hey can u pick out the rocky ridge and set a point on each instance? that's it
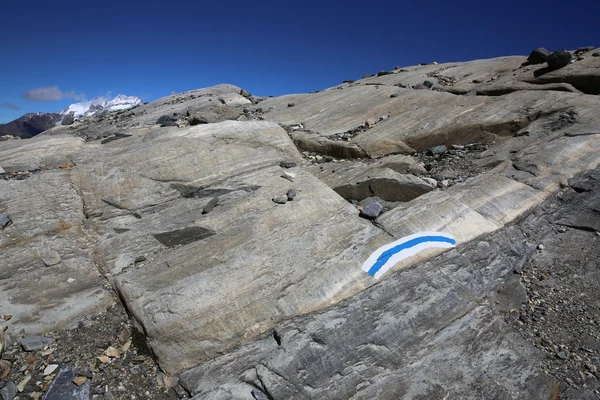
(230, 227)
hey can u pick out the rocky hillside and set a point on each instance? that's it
(234, 230)
(30, 124)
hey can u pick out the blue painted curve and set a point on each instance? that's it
(386, 255)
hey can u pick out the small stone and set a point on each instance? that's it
(124, 335)
(288, 164)
(33, 343)
(83, 372)
(562, 355)
(592, 368)
(4, 220)
(429, 84)
(435, 150)
(50, 369)
(540, 247)
(291, 194)
(288, 176)
(258, 395)
(70, 280)
(126, 346)
(80, 380)
(167, 381)
(280, 199)
(112, 352)
(23, 383)
(291, 104)
(393, 95)
(65, 166)
(103, 359)
(210, 205)
(139, 259)
(5, 368)
(9, 391)
(371, 208)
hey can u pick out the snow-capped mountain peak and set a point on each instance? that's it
(100, 105)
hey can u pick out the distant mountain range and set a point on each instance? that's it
(32, 124)
(101, 106)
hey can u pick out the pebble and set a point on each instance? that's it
(288, 176)
(540, 247)
(4, 220)
(280, 199)
(33, 343)
(50, 369)
(291, 194)
(80, 380)
(288, 164)
(9, 391)
(5, 367)
(23, 383)
(112, 352)
(258, 395)
(371, 208)
(437, 150)
(210, 205)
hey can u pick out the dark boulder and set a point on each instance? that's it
(429, 84)
(538, 56)
(559, 59)
(166, 120)
(68, 119)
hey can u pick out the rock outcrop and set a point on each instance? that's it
(234, 228)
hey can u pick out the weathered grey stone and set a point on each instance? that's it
(9, 391)
(355, 180)
(259, 395)
(370, 208)
(322, 145)
(280, 199)
(288, 164)
(210, 205)
(435, 150)
(33, 343)
(63, 388)
(214, 114)
(4, 220)
(166, 120)
(183, 236)
(68, 119)
(291, 194)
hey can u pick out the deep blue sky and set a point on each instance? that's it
(92, 48)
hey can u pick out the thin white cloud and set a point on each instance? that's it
(51, 93)
(10, 105)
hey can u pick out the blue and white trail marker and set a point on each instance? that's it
(387, 256)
